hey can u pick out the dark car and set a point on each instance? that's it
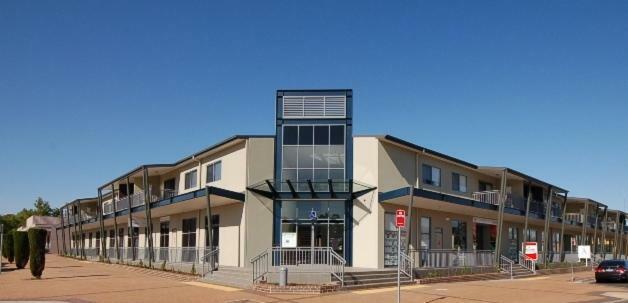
(612, 270)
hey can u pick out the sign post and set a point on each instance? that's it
(584, 252)
(400, 222)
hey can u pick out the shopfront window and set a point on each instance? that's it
(459, 234)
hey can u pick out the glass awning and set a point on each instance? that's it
(326, 189)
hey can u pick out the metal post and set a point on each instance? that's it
(585, 222)
(604, 230)
(115, 221)
(597, 214)
(562, 230)
(80, 223)
(525, 226)
(546, 235)
(208, 230)
(500, 216)
(76, 232)
(103, 237)
(410, 220)
(398, 264)
(130, 232)
(149, 219)
(63, 232)
(615, 246)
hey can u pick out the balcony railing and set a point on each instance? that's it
(438, 258)
(489, 196)
(574, 217)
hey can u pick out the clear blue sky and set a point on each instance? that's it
(91, 89)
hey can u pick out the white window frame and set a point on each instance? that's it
(194, 180)
(210, 172)
(461, 188)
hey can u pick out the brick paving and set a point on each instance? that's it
(69, 280)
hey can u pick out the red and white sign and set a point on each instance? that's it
(400, 218)
(530, 250)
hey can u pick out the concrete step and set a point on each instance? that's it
(375, 285)
(374, 281)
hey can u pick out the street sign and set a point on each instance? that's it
(530, 250)
(400, 218)
(584, 252)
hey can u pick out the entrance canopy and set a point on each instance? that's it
(330, 189)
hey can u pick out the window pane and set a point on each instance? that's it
(321, 135)
(455, 181)
(306, 157)
(321, 174)
(289, 174)
(436, 176)
(337, 174)
(289, 157)
(289, 210)
(290, 135)
(320, 156)
(463, 184)
(336, 210)
(336, 156)
(306, 207)
(306, 135)
(337, 135)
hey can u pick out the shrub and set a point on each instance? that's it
(7, 247)
(37, 249)
(20, 245)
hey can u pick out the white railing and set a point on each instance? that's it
(406, 265)
(527, 263)
(574, 217)
(505, 265)
(489, 196)
(137, 199)
(107, 208)
(315, 258)
(210, 262)
(440, 258)
(122, 204)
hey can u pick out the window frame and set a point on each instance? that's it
(211, 172)
(430, 181)
(456, 179)
(193, 181)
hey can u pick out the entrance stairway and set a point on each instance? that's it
(373, 279)
(518, 271)
(230, 276)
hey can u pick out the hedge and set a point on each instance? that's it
(20, 242)
(37, 247)
(7, 247)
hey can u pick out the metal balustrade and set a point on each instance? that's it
(574, 217)
(210, 262)
(527, 263)
(314, 258)
(406, 265)
(505, 265)
(489, 196)
(440, 258)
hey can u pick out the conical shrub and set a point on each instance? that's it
(37, 248)
(7, 247)
(20, 245)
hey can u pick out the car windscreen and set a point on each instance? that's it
(612, 263)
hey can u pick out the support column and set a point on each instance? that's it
(528, 201)
(604, 230)
(597, 215)
(546, 230)
(561, 239)
(410, 205)
(115, 221)
(80, 223)
(77, 244)
(63, 232)
(103, 237)
(500, 216)
(584, 223)
(616, 237)
(130, 230)
(149, 219)
(208, 212)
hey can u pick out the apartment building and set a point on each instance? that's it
(313, 194)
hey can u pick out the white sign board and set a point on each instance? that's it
(584, 252)
(288, 239)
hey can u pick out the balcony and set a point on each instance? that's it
(489, 196)
(574, 218)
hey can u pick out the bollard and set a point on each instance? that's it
(283, 276)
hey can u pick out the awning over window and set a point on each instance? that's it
(330, 189)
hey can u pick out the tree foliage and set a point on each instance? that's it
(41, 207)
(21, 249)
(7, 247)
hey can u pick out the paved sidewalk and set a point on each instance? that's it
(69, 280)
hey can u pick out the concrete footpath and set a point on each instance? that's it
(68, 280)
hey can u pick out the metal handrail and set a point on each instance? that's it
(406, 265)
(527, 263)
(260, 266)
(505, 265)
(337, 266)
(210, 262)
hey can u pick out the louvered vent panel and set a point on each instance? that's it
(335, 106)
(314, 106)
(292, 107)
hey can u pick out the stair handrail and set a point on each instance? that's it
(406, 265)
(260, 266)
(212, 264)
(505, 265)
(527, 263)
(337, 266)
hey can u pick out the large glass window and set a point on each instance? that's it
(188, 232)
(431, 175)
(425, 232)
(459, 234)
(313, 152)
(190, 179)
(164, 234)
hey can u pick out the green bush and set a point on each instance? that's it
(20, 246)
(37, 248)
(7, 247)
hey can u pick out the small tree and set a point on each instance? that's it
(7, 247)
(20, 245)
(37, 248)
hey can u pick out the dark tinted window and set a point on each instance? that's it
(321, 135)
(337, 135)
(612, 263)
(306, 135)
(290, 135)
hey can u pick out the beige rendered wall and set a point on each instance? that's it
(368, 215)
(258, 218)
